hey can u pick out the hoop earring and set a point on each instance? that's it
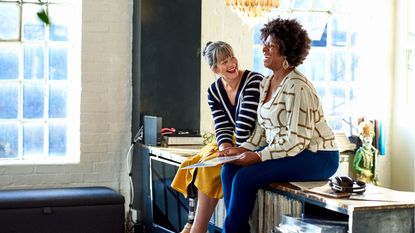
(285, 64)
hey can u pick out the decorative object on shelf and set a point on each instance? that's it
(365, 157)
(251, 10)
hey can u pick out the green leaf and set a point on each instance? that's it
(43, 16)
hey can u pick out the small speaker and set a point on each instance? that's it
(152, 130)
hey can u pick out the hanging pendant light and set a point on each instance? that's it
(251, 10)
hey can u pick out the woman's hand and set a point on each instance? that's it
(248, 158)
(232, 151)
(225, 145)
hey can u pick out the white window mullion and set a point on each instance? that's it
(348, 74)
(327, 80)
(19, 119)
(46, 94)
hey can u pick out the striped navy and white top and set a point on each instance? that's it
(238, 119)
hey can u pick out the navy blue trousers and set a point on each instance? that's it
(241, 183)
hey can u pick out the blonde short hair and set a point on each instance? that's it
(215, 52)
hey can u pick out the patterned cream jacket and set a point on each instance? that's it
(291, 121)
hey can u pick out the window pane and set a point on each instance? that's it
(57, 139)
(9, 21)
(336, 123)
(322, 5)
(339, 101)
(257, 34)
(354, 66)
(32, 140)
(33, 100)
(59, 15)
(258, 59)
(33, 28)
(322, 42)
(301, 4)
(57, 63)
(58, 93)
(338, 66)
(321, 91)
(339, 30)
(352, 95)
(313, 22)
(342, 5)
(9, 101)
(33, 61)
(8, 140)
(315, 64)
(9, 62)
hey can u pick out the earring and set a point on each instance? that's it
(285, 64)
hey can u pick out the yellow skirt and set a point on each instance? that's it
(207, 179)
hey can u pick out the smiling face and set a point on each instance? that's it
(273, 60)
(227, 67)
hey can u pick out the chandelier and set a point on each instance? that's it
(251, 10)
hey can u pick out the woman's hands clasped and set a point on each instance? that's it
(248, 157)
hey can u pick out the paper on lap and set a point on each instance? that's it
(214, 162)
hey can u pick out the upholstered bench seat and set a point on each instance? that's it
(63, 210)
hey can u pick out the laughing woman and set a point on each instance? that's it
(292, 140)
(233, 100)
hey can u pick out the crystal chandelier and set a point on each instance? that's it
(251, 10)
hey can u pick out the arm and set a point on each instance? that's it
(257, 139)
(300, 108)
(223, 125)
(247, 108)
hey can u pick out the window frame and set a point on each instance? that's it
(71, 83)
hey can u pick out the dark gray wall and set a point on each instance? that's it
(166, 77)
(170, 61)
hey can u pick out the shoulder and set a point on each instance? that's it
(253, 75)
(251, 80)
(265, 80)
(214, 86)
(297, 80)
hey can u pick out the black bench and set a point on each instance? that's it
(63, 210)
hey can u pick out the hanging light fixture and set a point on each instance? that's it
(251, 10)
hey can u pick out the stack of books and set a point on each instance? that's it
(183, 138)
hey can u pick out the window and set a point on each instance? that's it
(39, 82)
(334, 62)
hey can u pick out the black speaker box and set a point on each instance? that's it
(152, 130)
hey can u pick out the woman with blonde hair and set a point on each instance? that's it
(233, 100)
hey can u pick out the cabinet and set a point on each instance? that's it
(387, 210)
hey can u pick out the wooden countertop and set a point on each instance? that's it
(374, 198)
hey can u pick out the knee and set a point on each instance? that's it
(244, 182)
(227, 172)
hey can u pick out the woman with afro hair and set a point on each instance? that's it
(292, 140)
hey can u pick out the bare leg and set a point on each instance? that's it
(205, 208)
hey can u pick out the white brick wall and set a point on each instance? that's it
(105, 106)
